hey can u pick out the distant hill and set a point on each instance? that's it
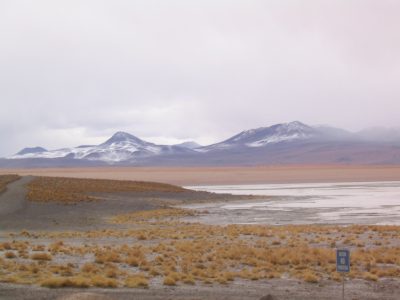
(33, 150)
(287, 143)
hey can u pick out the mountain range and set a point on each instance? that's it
(287, 143)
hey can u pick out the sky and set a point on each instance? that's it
(74, 72)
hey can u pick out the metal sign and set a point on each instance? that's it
(343, 260)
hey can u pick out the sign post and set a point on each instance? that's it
(343, 264)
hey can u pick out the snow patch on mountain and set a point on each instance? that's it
(278, 139)
(283, 133)
(120, 147)
(266, 136)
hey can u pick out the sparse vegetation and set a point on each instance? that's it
(183, 253)
(73, 190)
(103, 282)
(154, 215)
(58, 282)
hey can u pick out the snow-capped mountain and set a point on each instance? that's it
(264, 136)
(31, 150)
(121, 146)
(287, 143)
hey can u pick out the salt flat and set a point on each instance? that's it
(308, 203)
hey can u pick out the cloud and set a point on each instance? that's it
(74, 72)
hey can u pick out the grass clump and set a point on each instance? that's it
(60, 282)
(90, 268)
(10, 255)
(137, 281)
(107, 256)
(189, 279)
(369, 276)
(42, 256)
(169, 280)
(104, 282)
(310, 277)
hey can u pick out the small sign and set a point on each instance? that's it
(343, 260)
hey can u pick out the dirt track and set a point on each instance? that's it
(13, 199)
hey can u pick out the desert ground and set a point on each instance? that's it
(227, 175)
(72, 238)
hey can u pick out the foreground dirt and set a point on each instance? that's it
(228, 175)
(247, 290)
(131, 239)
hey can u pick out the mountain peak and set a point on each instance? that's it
(291, 127)
(31, 150)
(263, 136)
(296, 125)
(189, 145)
(121, 136)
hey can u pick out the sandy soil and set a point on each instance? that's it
(228, 175)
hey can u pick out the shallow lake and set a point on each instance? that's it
(320, 203)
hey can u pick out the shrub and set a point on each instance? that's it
(104, 282)
(41, 256)
(370, 276)
(89, 268)
(137, 281)
(10, 255)
(132, 261)
(169, 281)
(188, 279)
(5, 246)
(310, 277)
(107, 256)
(58, 282)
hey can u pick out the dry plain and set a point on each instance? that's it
(102, 239)
(228, 175)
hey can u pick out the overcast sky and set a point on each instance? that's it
(74, 72)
